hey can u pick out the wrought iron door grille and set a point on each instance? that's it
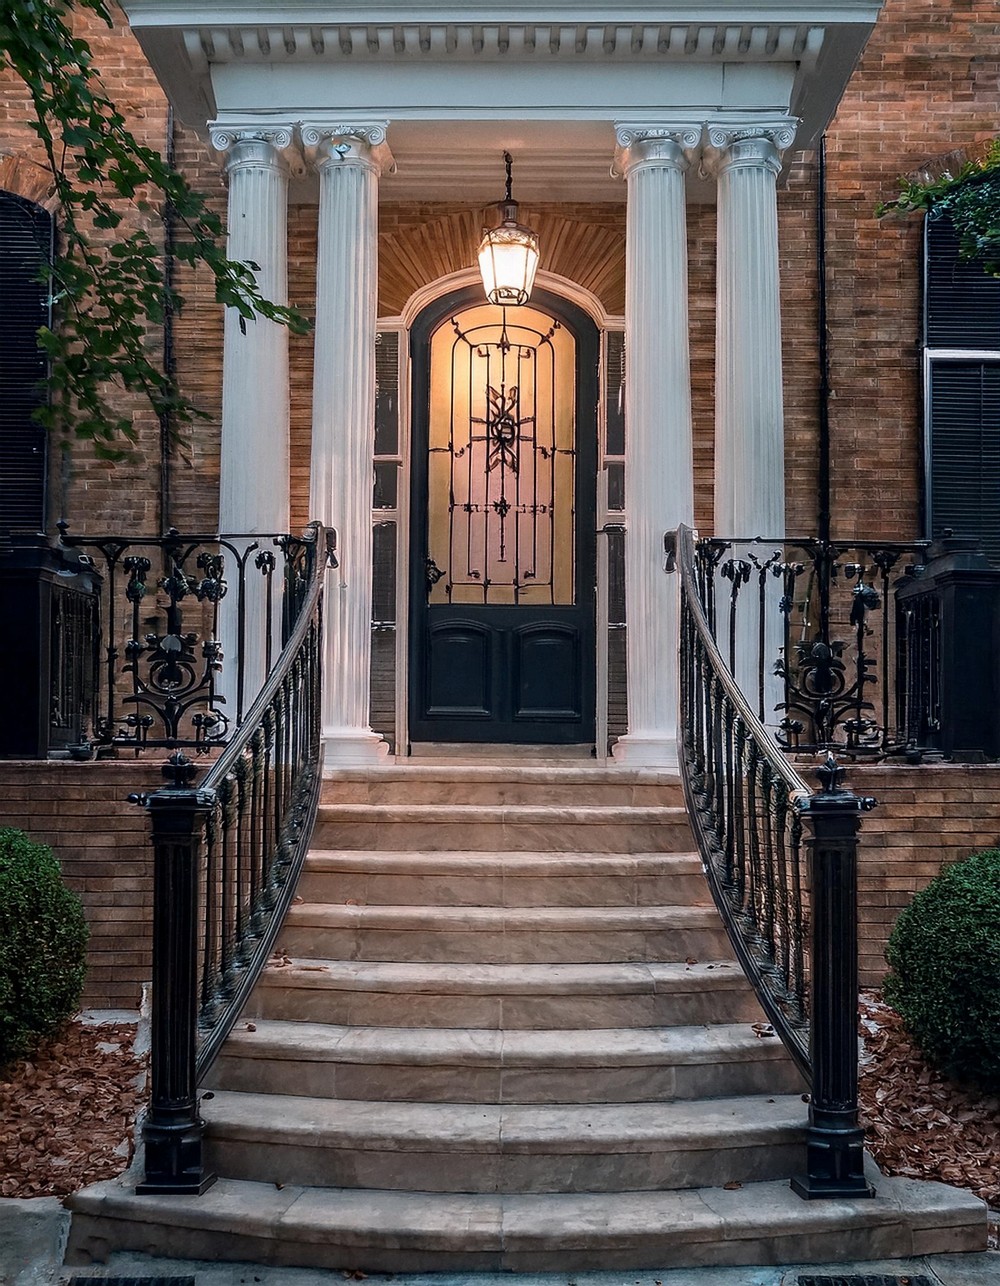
(501, 508)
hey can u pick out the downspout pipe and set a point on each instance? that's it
(169, 353)
(823, 346)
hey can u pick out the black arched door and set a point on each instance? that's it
(502, 522)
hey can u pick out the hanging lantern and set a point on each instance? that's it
(508, 254)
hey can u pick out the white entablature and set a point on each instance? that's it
(551, 79)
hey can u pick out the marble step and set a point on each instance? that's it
(403, 993)
(503, 828)
(572, 783)
(419, 1232)
(470, 878)
(503, 935)
(450, 1065)
(452, 1147)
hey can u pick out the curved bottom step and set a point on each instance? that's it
(761, 1223)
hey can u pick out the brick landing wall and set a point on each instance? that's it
(81, 811)
(927, 817)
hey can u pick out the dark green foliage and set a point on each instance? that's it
(43, 943)
(970, 198)
(945, 955)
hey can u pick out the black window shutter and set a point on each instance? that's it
(25, 247)
(964, 404)
(961, 301)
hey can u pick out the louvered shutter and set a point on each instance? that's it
(25, 244)
(964, 406)
(962, 393)
(961, 302)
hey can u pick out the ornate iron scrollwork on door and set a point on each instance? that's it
(501, 503)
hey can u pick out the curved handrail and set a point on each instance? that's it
(265, 787)
(743, 798)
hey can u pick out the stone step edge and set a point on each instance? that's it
(519, 864)
(556, 774)
(513, 1047)
(512, 814)
(477, 919)
(251, 1216)
(499, 1129)
(447, 978)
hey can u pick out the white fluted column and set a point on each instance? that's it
(253, 466)
(659, 487)
(253, 483)
(749, 410)
(349, 159)
(749, 421)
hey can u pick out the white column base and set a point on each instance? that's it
(352, 748)
(638, 750)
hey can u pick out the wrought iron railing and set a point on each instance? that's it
(781, 864)
(809, 628)
(189, 627)
(227, 856)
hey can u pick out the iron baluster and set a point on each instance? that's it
(225, 794)
(257, 836)
(798, 988)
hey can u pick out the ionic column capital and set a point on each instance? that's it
(749, 146)
(252, 146)
(671, 145)
(355, 143)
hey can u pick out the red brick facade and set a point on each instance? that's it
(81, 812)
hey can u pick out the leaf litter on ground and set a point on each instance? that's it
(918, 1123)
(67, 1112)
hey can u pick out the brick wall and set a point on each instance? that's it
(926, 85)
(81, 812)
(927, 817)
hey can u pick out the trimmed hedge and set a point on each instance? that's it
(43, 943)
(944, 952)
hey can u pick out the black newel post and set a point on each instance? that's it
(834, 1141)
(172, 1131)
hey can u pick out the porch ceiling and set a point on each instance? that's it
(459, 82)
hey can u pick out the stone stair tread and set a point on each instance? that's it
(571, 1128)
(573, 919)
(515, 863)
(504, 979)
(489, 1047)
(543, 774)
(387, 1230)
(552, 814)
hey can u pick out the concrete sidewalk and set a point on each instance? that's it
(940, 1270)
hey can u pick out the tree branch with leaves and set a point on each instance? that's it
(107, 279)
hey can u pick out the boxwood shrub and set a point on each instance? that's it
(944, 952)
(43, 943)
